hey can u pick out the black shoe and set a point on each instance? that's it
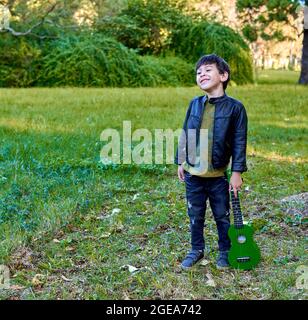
(222, 261)
(192, 258)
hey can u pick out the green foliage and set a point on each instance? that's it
(145, 25)
(202, 38)
(18, 57)
(170, 71)
(257, 21)
(90, 60)
(118, 50)
(95, 60)
(86, 60)
(250, 33)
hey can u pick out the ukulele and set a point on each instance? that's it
(244, 253)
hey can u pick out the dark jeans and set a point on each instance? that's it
(198, 190)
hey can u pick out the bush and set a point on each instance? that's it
(197, 39)
(100, 61)
(145, 25)
(18, 62)
(93, 59)
(107, 53)
(166, 71)
(89, 60)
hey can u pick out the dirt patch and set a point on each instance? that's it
(22, 258)
(296, 204)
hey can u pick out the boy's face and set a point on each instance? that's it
(208, 77)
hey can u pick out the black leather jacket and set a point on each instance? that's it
(229, 132)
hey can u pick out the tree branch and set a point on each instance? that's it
(29, 31)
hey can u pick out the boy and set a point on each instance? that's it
(215, 129)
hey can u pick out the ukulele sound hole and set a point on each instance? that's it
(241, 239)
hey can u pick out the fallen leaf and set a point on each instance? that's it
(17, 287)
(118, 228)
(70, 249)
(126, 296)
(56, 241)
(135, 196)
(130, 268)
(204, 262)
(147, 268)
(66, 279)
(210, 282)
(133, 269)
(115, 211)
(36, 281)
(105, 235)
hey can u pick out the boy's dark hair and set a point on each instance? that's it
(221, 64)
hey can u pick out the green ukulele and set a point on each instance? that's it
(244, 253)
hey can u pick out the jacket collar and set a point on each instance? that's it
(215, 100)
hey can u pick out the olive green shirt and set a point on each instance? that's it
(204, 167)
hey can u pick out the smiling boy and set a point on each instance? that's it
(215, 130)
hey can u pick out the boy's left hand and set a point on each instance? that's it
(235, 182)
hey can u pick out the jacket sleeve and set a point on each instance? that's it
(181, 149)
(239, 140)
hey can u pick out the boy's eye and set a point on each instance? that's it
(206, 70)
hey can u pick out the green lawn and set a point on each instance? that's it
(276, 76)
(62, 238)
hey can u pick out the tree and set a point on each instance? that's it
(304, 71)
(43, 19)
(145, 25)
(265, 19)
(8, 12)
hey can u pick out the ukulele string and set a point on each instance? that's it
(238, 221)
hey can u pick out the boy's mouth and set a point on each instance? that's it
(204, 81)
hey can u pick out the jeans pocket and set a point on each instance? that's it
(220, 184)
(225, 179)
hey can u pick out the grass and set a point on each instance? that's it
(62, 238)
(270, 76)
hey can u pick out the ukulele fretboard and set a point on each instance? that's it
(238, 218)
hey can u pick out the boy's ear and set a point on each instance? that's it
(224, 76)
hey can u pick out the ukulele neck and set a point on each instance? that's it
(238, 218)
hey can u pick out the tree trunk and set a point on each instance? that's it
(304, 70)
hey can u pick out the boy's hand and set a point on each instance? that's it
(181, 173)
(235, 182)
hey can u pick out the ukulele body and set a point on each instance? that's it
(244, 253)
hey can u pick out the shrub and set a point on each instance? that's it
(145, 25)
(18, 62)
(100, 61)
(89, 60)
(166, 71)
(197, 39)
